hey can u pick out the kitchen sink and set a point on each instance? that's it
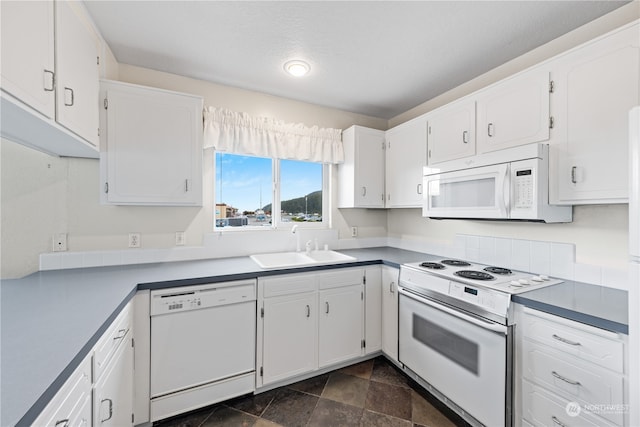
(299, 259)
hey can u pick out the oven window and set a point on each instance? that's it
(477, 193)
(452, 346)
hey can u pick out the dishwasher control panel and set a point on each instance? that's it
(187, 298)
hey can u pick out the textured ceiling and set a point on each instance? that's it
(376, 58)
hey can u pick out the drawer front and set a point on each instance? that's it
(116, 334)
(289, 284)
(574, 379)
(587, 343)
(544, 409)
(69, 404)
(340, 278)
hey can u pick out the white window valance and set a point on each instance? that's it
(226, 130)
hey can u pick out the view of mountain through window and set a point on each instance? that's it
(244, 190)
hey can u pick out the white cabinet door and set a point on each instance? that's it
(77, 71)
(27, 65)
(113, 392)
(514, 111)
(372, 310)
(452, 132)
(406, 155)
(289, 336)
(390, 312)
(340, 325)
(152, 147)
(361, 176)
(596, 86)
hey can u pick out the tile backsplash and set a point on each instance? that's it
(540, 257)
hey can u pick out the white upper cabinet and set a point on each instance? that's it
(361, 176)
(50, 55)
(138, 122)
(452, 132)
(77, 71)
(596, 86)
(514, 112)
(28, 53)
(406, 155)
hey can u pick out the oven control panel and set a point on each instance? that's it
(495, 302)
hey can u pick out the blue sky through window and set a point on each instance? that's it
(245, 182)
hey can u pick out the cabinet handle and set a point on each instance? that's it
(419, 189)
(465, 137)
(564, 340)
(573, 174)
(110, 409)
(327, 304)
(490, 129)
(121, 334)
(308, 311)
(50, 81)
(186, 185)
(557, 421)
(364, 191)
(391, 287)
(64, 423)
(70, 91)
(565, 379)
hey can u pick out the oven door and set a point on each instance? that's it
(463, 357)
(481, 192)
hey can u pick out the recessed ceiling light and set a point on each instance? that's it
(297, 68)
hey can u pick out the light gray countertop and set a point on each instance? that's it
(50, 320)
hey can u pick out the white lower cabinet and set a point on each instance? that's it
(308, 321)
(289, 336)
(389, 292)
(71, 406)
(572, 374)
(113, 392)
(373, 309)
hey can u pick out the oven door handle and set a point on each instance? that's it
(491, 326)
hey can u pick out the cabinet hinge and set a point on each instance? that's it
(362, 296)
(262, 312)
(105, 103)
(429, 130)
(363, 343)
(133, 344)
(551, 86)
(261, 371)
(97, 60)
(551, 122)
(384, 145)
(133, 418)
(364, 279)
(106, 187)
(98, 131)
(429, 154)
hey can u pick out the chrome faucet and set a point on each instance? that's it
(294, 230)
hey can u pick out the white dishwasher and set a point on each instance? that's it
(203, 342)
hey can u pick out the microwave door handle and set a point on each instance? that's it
(506, 192)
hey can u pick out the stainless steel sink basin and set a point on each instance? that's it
(299, 259)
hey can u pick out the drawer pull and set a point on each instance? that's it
(564, 340)
(566, 380)
(63, 423)
(557, 421)
(121, 334)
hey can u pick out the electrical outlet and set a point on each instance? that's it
(180, 238)
(60, 242)
(134, 240)
(354, 231)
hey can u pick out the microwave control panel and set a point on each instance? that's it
(524, 188)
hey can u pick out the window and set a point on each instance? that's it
(255, 192)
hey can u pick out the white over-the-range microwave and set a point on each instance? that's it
(510, 184)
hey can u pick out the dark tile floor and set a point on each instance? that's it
(371, 393)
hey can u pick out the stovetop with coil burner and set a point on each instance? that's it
(493, 277)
